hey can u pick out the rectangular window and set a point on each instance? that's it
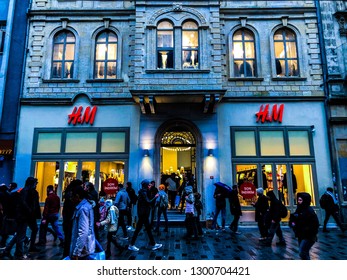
(298, 143)
(81, 142)
(245, 143)
(48, 142)
(113, 142)
(47, 173)
(271, 143)
(342, 155)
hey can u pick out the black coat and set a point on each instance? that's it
(261, 207)
(235, 206)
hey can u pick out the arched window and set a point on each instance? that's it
(190, 45)
(63, 55)
(243, 51)
(165, 45)
(286, 55)
(106, 56)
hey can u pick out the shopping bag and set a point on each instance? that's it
(98, 255)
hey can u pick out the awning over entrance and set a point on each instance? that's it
(6, 147)
(150, 101)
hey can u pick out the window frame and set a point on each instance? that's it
(244, 59)
(106, 60)
(191, 49)
(286, 59)
(63, 60)
(163, 49)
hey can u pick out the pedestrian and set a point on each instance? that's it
(330, 204)
(152, 191)
(111, 221)
(122, 201)
(191, 214)
(69, 206)
(4, 199)
(182, 193)
(220, 198)
(50, 216)
(143, 210)
(172, 190)
(305, 224)
(93, 198)
(20, 211)
(82, 237)
(32, 199)
(273, 220)
(198, 210)
(261, 210)
(162, 202)
(235, 209)
(133, 200)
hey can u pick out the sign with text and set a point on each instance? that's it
(79, 117)
(110, 186)
(247, 190)
(266, 115)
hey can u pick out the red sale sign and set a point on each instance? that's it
(110, 186)
(247, 190)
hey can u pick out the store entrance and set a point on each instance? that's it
(177, 167)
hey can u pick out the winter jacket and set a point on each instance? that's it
(83, 238)
(305, 219)
(122, 199)
(111, 219)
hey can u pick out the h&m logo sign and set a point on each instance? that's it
(79, 117)
(266, 115)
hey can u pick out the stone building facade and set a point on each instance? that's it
(334, 29)
(229, 91)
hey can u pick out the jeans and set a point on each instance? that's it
(304, 248)
(164, 212)
(223, 212)
(53, 220)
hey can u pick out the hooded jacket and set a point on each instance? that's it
(305, 219)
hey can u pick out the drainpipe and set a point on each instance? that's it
(5, 59)
(327, 94)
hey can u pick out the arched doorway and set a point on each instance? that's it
(178, 143)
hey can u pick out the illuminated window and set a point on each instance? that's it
(63, 55)
(190, 45)
(243, 50)
(106, 56)
(165, 45)
(286, 56)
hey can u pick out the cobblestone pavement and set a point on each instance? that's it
(216, 245)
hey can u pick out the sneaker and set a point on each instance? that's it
(130, 228)
(156, 246)
(236, 232)
(124, 238)
(133, 248)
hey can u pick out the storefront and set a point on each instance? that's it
(58, 144)
(276, 146)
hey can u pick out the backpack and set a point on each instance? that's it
(164, 201)
(323, 201)
(283, 211)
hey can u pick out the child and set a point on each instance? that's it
(111, 221)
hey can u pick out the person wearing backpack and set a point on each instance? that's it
(330, 204)
(273, 221)
(305, 224)
(111, 221)
(162, 202)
